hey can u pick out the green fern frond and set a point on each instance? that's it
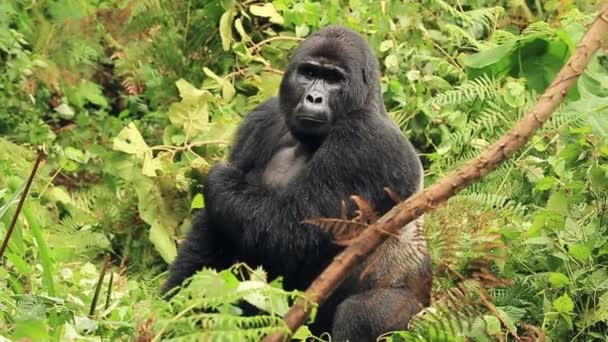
(490, 118)
(463, 37)
(443, 67)
(482, 88)
(144, 8)
(565, 118)
(600, 314)
(495, 201)
(501, 36)
(487, 18)
(538, 28)
(448, 319)
(449, 9)
(222, 327)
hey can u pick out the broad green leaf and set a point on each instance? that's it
(563, 304)
(162, 239)
(391, 62)
(545, 183)
(386, 45)
(156, 209)
(302, 30)
(558, 280)
(594, 81)
(558, 202)
(68, 165)
(213, 75)
(511, 314)
(30, 330)
(539, 240)
(598, 178)
(92, 92)
(492, 324)
(514, 95)
(187, 91)
(238, 24)
(491, 56)
(226, 29)
(302, 334)
(228, 90)
(269, 84)
(130, 141)
(256, 295)
(478, 331)
(75, 154)
(197, 202)
(267, 10)
(599, 122)
(58, 194)
(150, 165)
(600, 313)
(580, 252)
(542, 58)
(534, 173)
(65, 111)
(192, 113)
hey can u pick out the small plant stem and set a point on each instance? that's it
(109, 294)
(106, 265)
(43, 251)
(11, 227)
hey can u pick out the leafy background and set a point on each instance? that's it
(133, 100)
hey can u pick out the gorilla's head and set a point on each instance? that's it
(333, 73)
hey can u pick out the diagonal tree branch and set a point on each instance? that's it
(418, 204)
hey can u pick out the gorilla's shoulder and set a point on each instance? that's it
(389, 140)
(264, 118)
(265, 110)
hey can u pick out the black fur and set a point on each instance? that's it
(256, 220)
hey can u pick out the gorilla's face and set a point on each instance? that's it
(332, 73)
(317, 85)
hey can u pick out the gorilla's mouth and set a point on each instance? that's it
(320, 118)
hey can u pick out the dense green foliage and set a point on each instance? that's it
(133, 100)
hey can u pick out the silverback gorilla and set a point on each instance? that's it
(326, 137)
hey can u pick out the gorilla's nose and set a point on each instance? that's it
(314, 98)
(314, 102)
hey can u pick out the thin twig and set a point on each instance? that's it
(106, 265)
(11, 227)
(109, 294)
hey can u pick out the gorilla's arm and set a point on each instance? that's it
(352, 160)
(201, 248)
(268, 220)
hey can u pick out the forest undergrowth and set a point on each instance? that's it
(133, 101)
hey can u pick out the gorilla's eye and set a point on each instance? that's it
(309, 71)
(326, 73)
(332, 76)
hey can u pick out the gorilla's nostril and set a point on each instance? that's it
(318, 100)
(310, 99)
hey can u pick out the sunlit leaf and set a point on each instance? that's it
(129, 140)
(226, 29)
(267, 10)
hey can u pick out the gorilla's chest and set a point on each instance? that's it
(285, 165)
